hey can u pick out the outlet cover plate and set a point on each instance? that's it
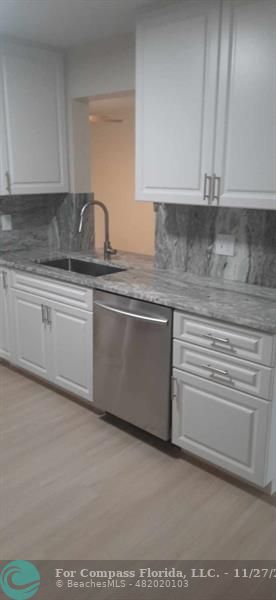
(6, 222)
(225, 244)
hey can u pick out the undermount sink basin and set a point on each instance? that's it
(81, 266)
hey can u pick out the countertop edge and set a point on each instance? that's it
(109, 284)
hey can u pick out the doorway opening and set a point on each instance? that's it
(112, 128)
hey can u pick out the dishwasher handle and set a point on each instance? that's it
(139, 317)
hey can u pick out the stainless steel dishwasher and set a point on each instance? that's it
(132, 361)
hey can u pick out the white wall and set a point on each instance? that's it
(104, 68)
(79, 146)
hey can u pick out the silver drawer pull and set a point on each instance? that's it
(215, 338)
(216, 370)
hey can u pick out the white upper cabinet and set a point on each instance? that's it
(32, 118)
(176, 79)
(206, 109)
(245, 157)
(3, 156)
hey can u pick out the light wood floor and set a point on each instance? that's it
(75, 486)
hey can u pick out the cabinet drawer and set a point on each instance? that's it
(236, 341)
(226, 427)
(52, 289)
(239, 374)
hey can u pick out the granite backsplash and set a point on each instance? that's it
(185, 238)
(185, 235)
(48, 221)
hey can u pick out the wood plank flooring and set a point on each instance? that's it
(76, 486)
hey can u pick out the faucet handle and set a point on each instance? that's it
(108, 250)
(111, 251)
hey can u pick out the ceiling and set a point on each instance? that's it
(68, 23)
(112, 107)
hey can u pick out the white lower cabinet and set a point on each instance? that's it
(223, 426)
(30, 335)
(5, 340)
(71, 332)
(53, 340)
(236, 373)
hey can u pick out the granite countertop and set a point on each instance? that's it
(237, 303)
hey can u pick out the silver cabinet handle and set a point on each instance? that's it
(215, 188)
(5, 280)
(132, 315)
(215, 369)
(44, 313)
(174, 388)
(218, 374)
(207, 184)
(8, 182)
(216, 338)
(49, 315)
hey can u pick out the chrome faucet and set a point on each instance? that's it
(108, 250)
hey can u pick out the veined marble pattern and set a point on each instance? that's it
(46, 221)
(185, 238)
(63, 230)
(236, 303)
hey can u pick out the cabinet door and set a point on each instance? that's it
(30, 332)
(34, 115)
(5, 348)
(245, 154)
(3, 156)
(71, 338)
(176, 84)
(226, 427)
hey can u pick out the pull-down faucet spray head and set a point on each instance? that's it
(108, 250)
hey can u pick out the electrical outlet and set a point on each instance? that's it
(225, 245)
(6, 222)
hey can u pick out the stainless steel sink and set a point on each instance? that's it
(81, 266)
